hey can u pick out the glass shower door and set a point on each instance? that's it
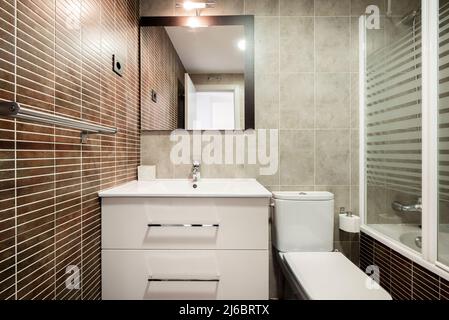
(443, 134)
(393, 139)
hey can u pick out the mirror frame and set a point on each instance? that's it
(247, 21)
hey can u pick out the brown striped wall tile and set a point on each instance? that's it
(366, 251)
(161, 70)
(60, 62)
(7, 154)
(425, 284)
(444, 289)
(401, 277)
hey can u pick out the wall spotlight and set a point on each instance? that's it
(193, 5)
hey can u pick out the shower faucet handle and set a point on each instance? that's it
(398, 206)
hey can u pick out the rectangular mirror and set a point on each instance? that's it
(197, 73)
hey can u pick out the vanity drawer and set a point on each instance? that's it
(185, 223)
(185, 274)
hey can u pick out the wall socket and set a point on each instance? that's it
(118, 65)
(154, 96)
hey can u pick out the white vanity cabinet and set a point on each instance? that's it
(185, 247)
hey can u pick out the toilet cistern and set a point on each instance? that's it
(196, 171)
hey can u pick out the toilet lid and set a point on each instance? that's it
(331, 276)
(303, 195)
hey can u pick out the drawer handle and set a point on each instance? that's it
(182, 280)
(193, 225)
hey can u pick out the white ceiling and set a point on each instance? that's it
(209, 50)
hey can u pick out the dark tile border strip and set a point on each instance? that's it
(400, 276)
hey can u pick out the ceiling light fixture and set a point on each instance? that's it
(193, 5)
(189, 5)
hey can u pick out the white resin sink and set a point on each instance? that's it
(214, 188)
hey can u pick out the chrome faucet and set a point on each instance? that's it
(196, 171)
(417, 207)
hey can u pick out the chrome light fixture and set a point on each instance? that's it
(197, 6)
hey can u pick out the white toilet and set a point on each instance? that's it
(302, 234)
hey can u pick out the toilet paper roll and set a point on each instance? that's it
(146, 173)
(349, 223)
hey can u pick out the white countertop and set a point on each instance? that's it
(177, 188)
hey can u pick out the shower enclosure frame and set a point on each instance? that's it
(430, 99)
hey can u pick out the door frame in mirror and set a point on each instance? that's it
(247, 21)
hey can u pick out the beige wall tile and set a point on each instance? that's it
(376, 39)
(332, 157)
(355, 200)
(341, 199)
(332, 7)
(298, 188)
(297, 101)
(332, 36)
(266, 38)
(183, 171)
(155, 150)
(394, 31)
(269, 180)
(157, 7)
(262, 7)
(297, 7)
(355, 44)
(297, 160)
(332, 100)
(272, 188)
(375, 203)
(354, 157)
(297, 44)
(273, 179)
(355, 101)
(267, 101)
(229, 171)
(401, 7)
(358, 7)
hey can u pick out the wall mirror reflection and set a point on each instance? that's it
(197, 75)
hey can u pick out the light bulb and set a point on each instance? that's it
(242, 45)
(189, 5)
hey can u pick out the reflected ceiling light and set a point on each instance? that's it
(242, 44)
(193, 22)
(194, 5)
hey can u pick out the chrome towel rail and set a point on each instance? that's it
(13, 109)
